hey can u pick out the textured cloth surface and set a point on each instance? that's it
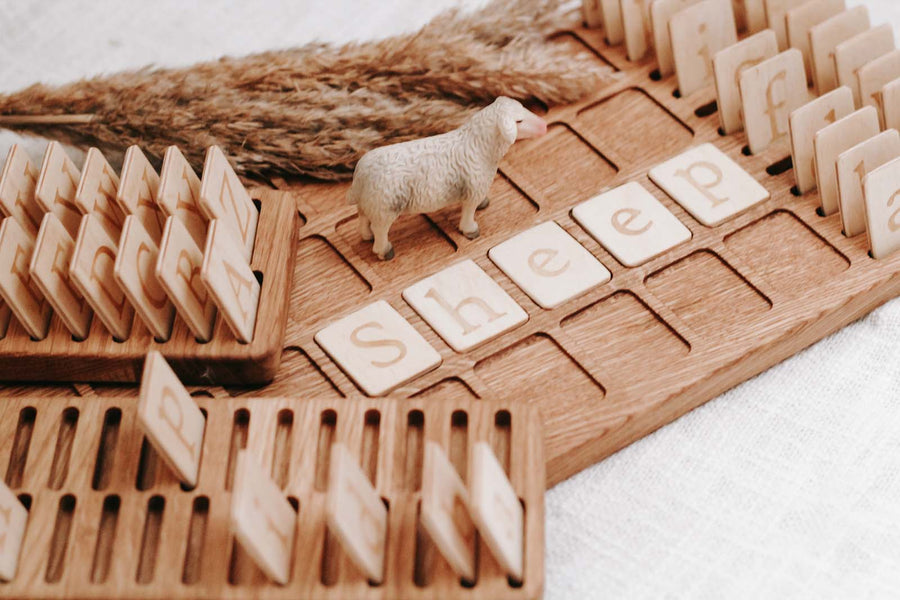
(786, 487)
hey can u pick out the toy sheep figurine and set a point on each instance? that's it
(428, 174)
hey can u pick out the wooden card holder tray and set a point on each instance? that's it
(107, 519)
(223, 359)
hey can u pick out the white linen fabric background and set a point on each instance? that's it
(786, 487)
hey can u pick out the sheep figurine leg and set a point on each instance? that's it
(425, 175)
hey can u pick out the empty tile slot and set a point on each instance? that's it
(65, 436)
(147, 465)
(502, 438)
(106, 452)
(21, 443)
(281, 456)
(459, 442)
(782, 166)
(707, 110)
(331, 554)
(150, 540)
(193, 556)
(106, 537)
(369, 458)
(327, 426)
(425, 553)
(59, 541)
(239, 431)
(414, 450)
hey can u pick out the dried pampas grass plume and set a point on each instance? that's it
(314, 110)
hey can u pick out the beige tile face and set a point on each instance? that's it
(612, 21)
(16, 287)
(661, 11)
(5, 316)
(222, 196)
(805, 122)
(708, 184)
(728, 64)
(230, 282)
(355, 514)
(377, 348)
(631, 224)
(756, 15)
(56, 187)
(891, 100)
(882, 206)
(824, 39)
(92, 273)
(96, 193)
(17, 185)
(49, 270)
(178, 272)
(179, 194)
(138, 192)
(464, 305)
(262, 519)
(852, 167)
(770, 91)
(776, 11)
(496, 510)
(636, 24)
(698, 33)
(876, 74)
(549, 265)
(863, 48)
(801, 19)
(135, 272)
(834, 140)
(13, 520)
(445, 512)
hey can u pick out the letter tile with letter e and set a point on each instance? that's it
(138, 192)
(770, 91)
(698, 33)
(222, 196)
(824, 39)
(179, 194)
(549, 264)
(832, 141)
(873, 76)
(464, 305)
(262, 520)
(631, 224)
(852, 167)
(96, 193)
(13, 520)
(802, 18)
(728, 64)
(170, 418)
(355, 514)
(859, 50)
(377, 348)
(805, 122)
(708, 184)
(230, 281)
(882, 203)
(17, 184)
(16, 286)
(56, 187)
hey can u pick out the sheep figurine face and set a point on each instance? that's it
(428, 174)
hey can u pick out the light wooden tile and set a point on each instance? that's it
(13, 520)
(891, 100)
(882, 206)
(592, 14)
(708, 184)
(96, 193)
(661, 11)
(378, 348)
(873, 76)
(56, 187)
(549, 265)
(852, 167)
(170, 418)
(355, 514)
(179, 194)
(636, 24)
(631, 224)
(5, 317)
(92, 272)
(230, 281)
(776, 11)
(728, 64)
(445, 512)
(222, 196)
(262, 520)
(698, 33)
(862, 48)
(805, 122)
(464, 305)
(832, 141)
(770, 92)
(740, 14)
(16, 287)
(496, 510)
(178, 271)
(138, 192)
(135, 272)
(824, 39)
(802, 18)
(612, 21)
(756, 15)
(17, 185)
(49, 270)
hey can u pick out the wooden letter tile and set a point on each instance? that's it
(96, 193)
(262, 520)
(708, 184)
(756, 15)
(496, 510)
(49, 270)
(863, 48)
(377, 348)
(661, 11)
(824, 39)
(464, 305)
(16, 287)
(834, 140)
(170, 418)
(179, 194)
(138, 191)
(776, 11)
(230, 281)
(631, 224)
(882, 203)
(802, 18)
(355, 514)
(891, 100)
(592, 14)
(222, 196)
(93, 274)
(873, 76)
(56, 187)
(549, 265)
(17, 185)
(636, 24)
(178, 271)
(445, 512)
(852, 167)
(698, 33)
(612, 21)
(13, 519)
(770, 91)
(135, 272)
(728, 64)
(805, 122)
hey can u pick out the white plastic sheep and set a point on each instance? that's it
(428, 174)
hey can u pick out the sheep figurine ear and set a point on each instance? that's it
(507, 125)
